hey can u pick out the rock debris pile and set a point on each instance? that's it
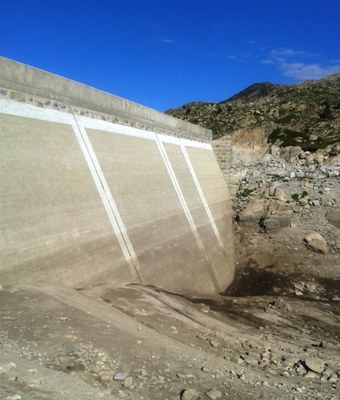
(292, 188)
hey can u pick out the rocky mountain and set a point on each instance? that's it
(305, 114)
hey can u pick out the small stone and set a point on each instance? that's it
(315, 203)
(300, 369)
(105, 376)
(265, 356)
(120, 376)
(128, 383)
(300, 174)
(333, 379)
(300, 389)
(15, 397)
(303, 201)
(190, 394)
(214, 394)
(32, 383)
(242, 378)
(205, 368)
(333, 174)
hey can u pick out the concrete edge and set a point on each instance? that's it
(22, 78)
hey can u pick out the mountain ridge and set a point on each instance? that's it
(305, 114)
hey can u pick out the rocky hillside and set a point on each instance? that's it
(305, 114)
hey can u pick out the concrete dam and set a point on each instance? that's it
(95, 188)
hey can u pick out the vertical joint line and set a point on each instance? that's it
(176, 186)
(186, 209)
(125, 246)
(201, 194)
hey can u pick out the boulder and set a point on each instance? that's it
(317, 243)
(291, 153)
(280, 194)
(315, 364)
(274, 222)
(252, 213)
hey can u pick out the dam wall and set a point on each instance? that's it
(95, 189)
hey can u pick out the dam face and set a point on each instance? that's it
(94, 188)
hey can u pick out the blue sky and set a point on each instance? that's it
(165, 53)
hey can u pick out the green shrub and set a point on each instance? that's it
(295, 197)
(242, 194)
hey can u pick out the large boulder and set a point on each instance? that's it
(315, 242)
(280, 194)
(252, 214)
(278, 212)
(291, 153)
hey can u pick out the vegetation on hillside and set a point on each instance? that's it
(305, 114)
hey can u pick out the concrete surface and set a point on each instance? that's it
(86, 201)
(33, 81)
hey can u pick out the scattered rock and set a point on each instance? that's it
(315, 364)
(214, 394)
(120, 376)
(190, 394)
(303, 201)
(105, 376)
(128, 383)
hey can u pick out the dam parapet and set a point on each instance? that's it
(43, 89)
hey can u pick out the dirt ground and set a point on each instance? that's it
(275, 334)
